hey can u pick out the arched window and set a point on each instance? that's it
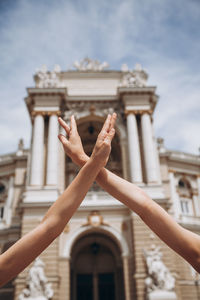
(185, 196)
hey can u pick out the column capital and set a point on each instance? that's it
(172, 171)
(45, 113)
(138, 112)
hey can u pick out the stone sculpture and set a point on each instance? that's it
(46, 79)
(135, 78)
(159, 276)
(88, 64)
(37, 287)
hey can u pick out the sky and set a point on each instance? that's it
(162, 35)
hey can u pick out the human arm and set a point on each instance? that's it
(24, 251)
(181, 240)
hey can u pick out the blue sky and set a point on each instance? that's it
(162, 35)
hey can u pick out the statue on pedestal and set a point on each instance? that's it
(38, 287)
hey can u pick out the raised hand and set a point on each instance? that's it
(102, 147)
(72, 145)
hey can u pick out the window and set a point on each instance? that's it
(185, 196)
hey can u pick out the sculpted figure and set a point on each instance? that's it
(159, 277)
(37, 286)
(46, 78)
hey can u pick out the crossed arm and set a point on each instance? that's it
(181, 240)
(24, 251)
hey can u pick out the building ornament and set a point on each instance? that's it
(88, 64)
(47, 79)
(138, 112)
(20, 149)
(159, 276)
(95, 220)
(160, 145)
(135, 78)
(45, 113)
(37, 287)
(83, 109)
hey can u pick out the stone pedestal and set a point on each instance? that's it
(161, 295)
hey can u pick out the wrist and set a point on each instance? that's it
(82, 160)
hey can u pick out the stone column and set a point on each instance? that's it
(124, 159)
(151, 165)
(134, 149)
(196, 198)
(37, 160)
(52, 151)
(174, 196)
(126, 278)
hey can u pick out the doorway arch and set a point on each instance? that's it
(96, 268)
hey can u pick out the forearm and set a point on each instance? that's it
(65, 206)
(24, 251)
(127, 193)
(184, 242)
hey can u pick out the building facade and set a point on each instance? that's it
(103, 251)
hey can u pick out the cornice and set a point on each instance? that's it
(47, 91)
(137, 90)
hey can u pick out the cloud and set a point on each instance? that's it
(162, 35)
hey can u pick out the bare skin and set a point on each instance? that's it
(24, 251)
(181, 240)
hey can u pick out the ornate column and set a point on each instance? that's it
(134, 149)
(52, 152)
(126, 278)
(197, 197)
(37, 160)
(124, 159)
(174, 195)
(151, 164)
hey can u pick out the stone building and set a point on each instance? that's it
(100, 254)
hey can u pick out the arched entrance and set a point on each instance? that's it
(96, 269)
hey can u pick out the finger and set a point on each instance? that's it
(106, 124)
(110, 136)
(105, 128)
(73, 124)
(64, 125)
(63, 139)
(112, 121)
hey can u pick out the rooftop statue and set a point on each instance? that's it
(88, 64)
(46, 79)
(38, 287)
(135, 78)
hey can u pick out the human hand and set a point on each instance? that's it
(72, 145)
(102, 147)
